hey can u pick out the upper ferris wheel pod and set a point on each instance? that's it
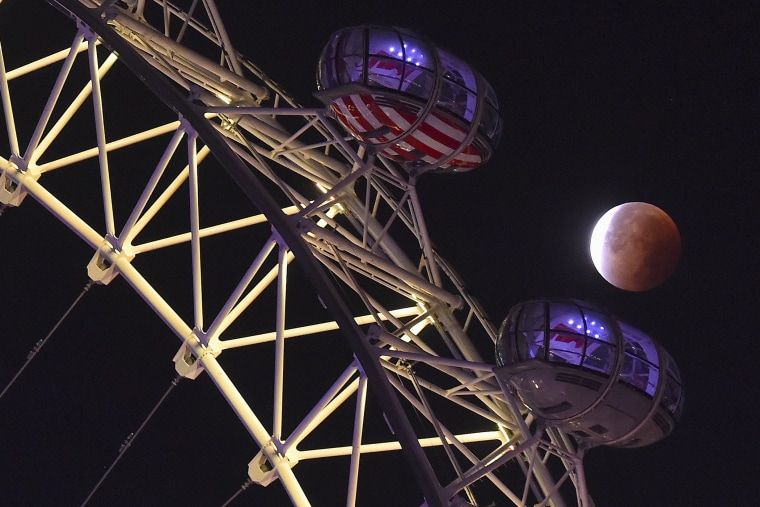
(253, 228)
(413, 102)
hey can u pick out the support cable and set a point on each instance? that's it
(242, 488)
(41, 343)
(131, 438)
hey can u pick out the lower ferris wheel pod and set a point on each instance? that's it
(289, 259)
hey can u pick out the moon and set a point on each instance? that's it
(635, 246)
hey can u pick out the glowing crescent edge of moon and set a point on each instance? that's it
(597, 239)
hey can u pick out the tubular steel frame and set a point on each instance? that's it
(351, 221)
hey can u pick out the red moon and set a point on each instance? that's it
(635, 246)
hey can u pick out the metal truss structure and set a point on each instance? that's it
(255, 229)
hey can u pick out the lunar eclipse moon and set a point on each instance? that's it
(635, 246)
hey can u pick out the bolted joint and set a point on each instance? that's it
(262, 470)
(12, 192)
(102, 267)
(188, 361)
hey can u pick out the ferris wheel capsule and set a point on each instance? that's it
(412, 102)
(576, 368)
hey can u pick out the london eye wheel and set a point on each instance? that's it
(287, 256)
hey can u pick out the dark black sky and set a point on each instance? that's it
(602, 104)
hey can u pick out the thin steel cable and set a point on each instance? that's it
(42, 342)
(245, 486)
(131, 438)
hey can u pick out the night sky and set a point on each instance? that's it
(601, 105)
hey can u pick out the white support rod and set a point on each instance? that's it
(497, 413)
(156, 302)
(474, 305)
(45, 62)
(212, 367)
(464, 345)
(332, 452)
(397, 343)
(100, 134)
(486, 467)
(542, 474)
(72, 109)
(140, 9)
(439, 428)
(339, 137)
(377, 265)
(312, 329)
(449, 436)
(374, 305)
(255, 158)
(259, 128)
(384, 195)
(195, 240)
(279, 343)
(423, 236)
(178, 55)
(224, 39)
(5, 95)
(263, 111)
(128, 233)
(493, 415)
(529, 474)
(561, 447)
(252, 295)
(53, 205)
(167, 17)
(572, 459)
(553, 496)
(353, 474)
(306, 149)
(167, 194)
(463, 388)
(257, 430)
(380, 312)
(443, 361)
(110, 146)
(372, 229)
(185, 17)
(333, 398)
(367, 212)
(208, 231)
(380, 237)
(306, 126)
(222, 320)
(31, 148)
(580, 485)
(334, 193)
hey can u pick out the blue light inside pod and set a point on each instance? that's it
(577, 368)
(410, 101)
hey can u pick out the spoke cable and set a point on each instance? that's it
(248, 483)
(41, 343)
(131, 438)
